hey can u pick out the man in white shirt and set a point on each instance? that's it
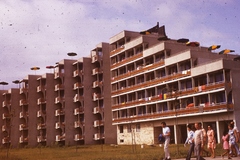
(189, 140)
(166, 134)
(198, 141)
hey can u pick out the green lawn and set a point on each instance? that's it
(95, 152)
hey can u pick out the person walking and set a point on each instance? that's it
(225, 144)
(211, 144)
(233, 139)
(189, 140)
(166, 134)
(198, 141)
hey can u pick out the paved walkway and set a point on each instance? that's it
(216, 158)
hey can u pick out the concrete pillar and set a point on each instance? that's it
(218, 132)
(175, 134)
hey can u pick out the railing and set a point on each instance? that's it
(175, 113)
(77, 73)
(41, 139)
(77, 85)
(151, 82)
(78, 137)
(98, 123)
(124, 61)
(79, 110)
(40, 88)
(41, 126)
(116, 50)
(98, 136)
(190, 91)
(22, 102)
(5, 103)
(137, 71)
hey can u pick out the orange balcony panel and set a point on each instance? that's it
(78, 137)
(58, 87)
(77, 73)
(23, 139)
(23, 102)
(23, 90)
(116, 50)
(40, 88)
(59, 112)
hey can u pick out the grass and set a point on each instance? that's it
(96, 152)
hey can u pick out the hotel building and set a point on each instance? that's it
(121, 93)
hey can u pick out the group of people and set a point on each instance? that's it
(198, 137)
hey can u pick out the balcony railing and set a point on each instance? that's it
(23, 102)
(41, 126)
(98, 123)
(116, 50)
(79, 110)
(97, 96)
(198, 110)
(60, 138)
(23, 90)
(6, 116)
(77, 73)
(77, 85)
(59, 125)
(59, 112)
(6, 140)
(97, 84)
(58, 87)
(98, 136)
(41, 139)
(124, 61)
(41, 113)
(23, 114)
(151, 82)
(4, 128)
(78, 137)
(41, 101)
(96, 71)
(23, 139)
(23, 127)
(97, 110)
(59, 100)
(40, 88)
(78, 124)
(5, 103)
(77, 98)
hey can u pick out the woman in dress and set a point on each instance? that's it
(211, 145)
(225, 139)
(233, 139)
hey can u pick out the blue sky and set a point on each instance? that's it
(42, 32)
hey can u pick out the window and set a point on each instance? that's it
(121, 129)
(129, 128)
(137, 127)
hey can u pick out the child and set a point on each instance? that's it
(225, 139)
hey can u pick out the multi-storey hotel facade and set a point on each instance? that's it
(121, 93)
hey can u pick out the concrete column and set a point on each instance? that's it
(218, 132)
(175, 134)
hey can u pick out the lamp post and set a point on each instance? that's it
(35, 68)
(3, 83)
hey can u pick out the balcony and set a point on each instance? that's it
(41, 101)
(60, 138)
(6, 116)
(41, 126)
(59, 100)
(97, 96)
(97, 84)
(41, 113)
(116, 50)
(4, 128)
(23, 90)
(40, 88)
(23, 127)
(77, 98)
(97, 110)
(138, 71)
(57, 75)
(41, 139)
(78, 124)
(77, 73)
(94, 57)
(58, 87)
(5, 103)
(194, 110)
(23, 139)
(77, 85)
(23, 102)
(79, 110)
(59, 125)
(78, 137)
(98, 123)
(6, 140)
(98, 136)
(59, 112)
(96, 71)
(23, 114)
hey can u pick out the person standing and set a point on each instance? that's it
(166, 134)
(225, 139)
(204, 140)
(211, 141)
(198, 141)
(189, 140)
